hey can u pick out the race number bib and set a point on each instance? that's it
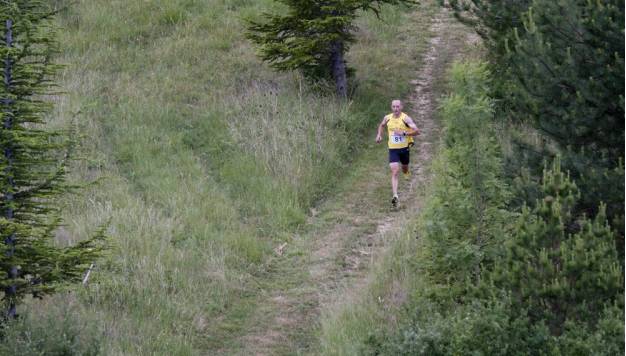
(398, 139)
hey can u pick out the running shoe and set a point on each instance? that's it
(394, 202)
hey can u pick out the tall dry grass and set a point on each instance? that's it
(204, 159)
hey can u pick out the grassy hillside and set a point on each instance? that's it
(205, 160)
(359, 323)
(494, 264)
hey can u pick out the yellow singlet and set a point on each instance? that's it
(397, 124)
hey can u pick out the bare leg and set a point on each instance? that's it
(405, 168)
(395, 169)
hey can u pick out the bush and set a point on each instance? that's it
(557, 289)
(549, 282)
(461, 224)
(57, 332)
(560, 267)
(559, 67)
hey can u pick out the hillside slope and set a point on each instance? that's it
(205, 161)
(329, 266)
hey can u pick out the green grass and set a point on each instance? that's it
(353, 324)
(205, 159)
(360, 324)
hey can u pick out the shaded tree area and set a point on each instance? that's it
(33, 162)
(492, 278)
(559, 66)
(313, 37)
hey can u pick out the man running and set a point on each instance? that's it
(401, 129)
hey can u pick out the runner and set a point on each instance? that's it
(401, 129)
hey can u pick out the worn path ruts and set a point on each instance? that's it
(349, 231)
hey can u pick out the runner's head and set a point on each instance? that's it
(396, 106)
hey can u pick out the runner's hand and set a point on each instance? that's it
(378, 138)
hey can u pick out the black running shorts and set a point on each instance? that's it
(399, 155)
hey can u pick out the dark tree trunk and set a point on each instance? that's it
(10, 291)
(339, 69)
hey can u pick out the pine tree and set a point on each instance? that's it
(559, 66)
(313, 37)
(569, 67)
(33, 161)
(561, 269)
(492, 20)
(463, 223)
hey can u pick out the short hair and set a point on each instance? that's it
(398, 100)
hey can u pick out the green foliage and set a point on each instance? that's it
(568, 68)
(601, 184)
(558, 266)
(460, 230)
(557, 289)
(59, 333)
(489, 328)
(463, 220)
(303, 37)
(34, 161)
(551, 284)
(478, 328)
(560, 66)
(493, 21)
(207, 160)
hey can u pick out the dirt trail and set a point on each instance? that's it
(421, 105)
(347, 233)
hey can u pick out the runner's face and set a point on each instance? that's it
(396, 107)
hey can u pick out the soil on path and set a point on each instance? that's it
(347, 233)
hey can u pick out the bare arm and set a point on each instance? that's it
(379, 134)
(414, 130)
